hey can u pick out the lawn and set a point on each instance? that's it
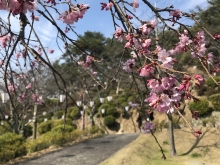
(145, 151)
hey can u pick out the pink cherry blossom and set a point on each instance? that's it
(11, 87)
(51, 51)
(184, 40)
(210, 58)
(73, 15)
(129, 65)
(135, 4)
(153, 99)
(199, 78)
(133, 105)
(29, 86)
(146, 70)
(148, 127)
(109, 6)
(17, 55)
(128, 45)
(119, 34)
(34, 17)
(4, 40)
(176, 13)
(1, 63)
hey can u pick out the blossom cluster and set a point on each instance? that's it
(18, 6)
(74, 13)
(23, 89)
(164, 95)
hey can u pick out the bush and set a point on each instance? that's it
(61, 122)
(58, 114)
(59, 128)
(73, 113)
(109, 109)
(11, 146)
(55, 138)
(28, 130)
(196, 155)
(109, 120)
(202, 106)
(211, 83)
(45, 127)
(48, 116)
(38, 145)
(5, 128)
(94, 130)
(215, 99)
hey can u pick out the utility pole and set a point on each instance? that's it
(35, 108)
(156, 29)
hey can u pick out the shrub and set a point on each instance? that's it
(28, 130)
(109, 109)
(61, 122)
(165, 142)
(55, 138)
(38, 145)
(196, 155)
(215, 99)
(44, 127)
(109, 120)
(73, 113)
(48, 116)
(59, 128)
(58, 114)
(5, 128)
(94, 130)
(211, 83)
(202, 106)
(11, 146)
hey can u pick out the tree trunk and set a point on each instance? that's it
(171, 136)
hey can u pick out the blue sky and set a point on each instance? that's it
(97, 20)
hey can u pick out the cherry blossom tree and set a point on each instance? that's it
(151, 64)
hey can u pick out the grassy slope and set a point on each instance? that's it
(145, 151)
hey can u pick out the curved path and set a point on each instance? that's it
(89, 152)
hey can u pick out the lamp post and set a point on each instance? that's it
(102, 100)
(91, 104)
(126, 108)
(109, 98)
(6, 117)
(82, 114)
(79, 103)
(5, 98)
(62, 98)
(103, 112)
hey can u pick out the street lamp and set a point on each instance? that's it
(102, 100)
(126, 108)
(85, 107)
(6, 117)
(79, 103)
(5, 97)
(103, 112)
(109, 98)
(44, 113)
(62, 98)
(91, 103)
(82, 114)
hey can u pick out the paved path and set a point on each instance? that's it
(89, 152)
